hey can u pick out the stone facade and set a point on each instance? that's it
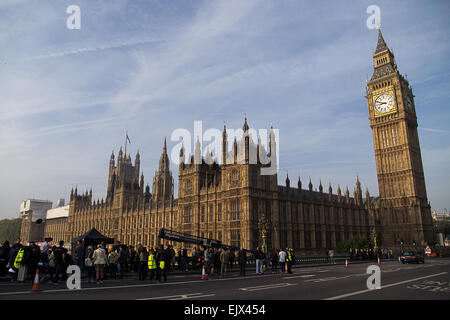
(226, 200)
(402, 207)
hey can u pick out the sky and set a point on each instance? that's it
(152, 67)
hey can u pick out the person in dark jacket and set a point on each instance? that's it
(60, 253)
(34, 260)
(184, 260)
(242, 258)
(162, 263)
(4, 255)
(231, 259)
(122, 260)
(78, 254)
(274, 260)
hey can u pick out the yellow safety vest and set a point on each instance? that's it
(289, 259)
(19, 258)
(151, 262)
(161, 265)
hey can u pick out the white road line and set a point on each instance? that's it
(328, 279)
(135, 286)
(195, 297)
(270, 286)
(303, 276)
(384, 286)
(168, 297)
(180, 296)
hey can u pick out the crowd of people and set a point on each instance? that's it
(98, 262)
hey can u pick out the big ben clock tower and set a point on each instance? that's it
(404, 211)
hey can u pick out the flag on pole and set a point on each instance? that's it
(128, 138)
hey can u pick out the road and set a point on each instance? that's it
(429, 281)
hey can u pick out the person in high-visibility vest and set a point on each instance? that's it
(151, 264)
(162, 262)
(289, 259)
(18, 259)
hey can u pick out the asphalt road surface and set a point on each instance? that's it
(429, 281)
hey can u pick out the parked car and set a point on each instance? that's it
(412, 256)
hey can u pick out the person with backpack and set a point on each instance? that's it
(112, 261)
(89, 264)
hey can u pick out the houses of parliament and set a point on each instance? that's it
(226, 201)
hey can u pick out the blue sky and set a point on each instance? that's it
(151, 67)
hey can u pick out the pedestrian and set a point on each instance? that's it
(242, 258)
(184, 259)
(282, 258)
(143, 260)
(100, 261)
(172, 258)
(207, 260)
(274, 260)
(59, 253)
(331, 256)
(151, 264)
(224, 257)
(259, 256)
(89, 264)
(122, 261)
(231, 259)
(195, 258)
(51, 264)
(132, 259)
(12, 255)
(213, 260)
(112, 262)
(35, 259)
(21, 263)
(162, 257)
(289, 259)
(78, 254)
(4, 255)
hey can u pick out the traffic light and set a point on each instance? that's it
(401, 241)
(414, 243)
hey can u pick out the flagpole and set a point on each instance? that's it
(126, 136)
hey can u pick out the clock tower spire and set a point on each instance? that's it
(405, 211)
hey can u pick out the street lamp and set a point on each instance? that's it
(264, 226)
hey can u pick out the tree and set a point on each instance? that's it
(359, 243)
(10, 230)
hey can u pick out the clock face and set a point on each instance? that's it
(384, 103)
